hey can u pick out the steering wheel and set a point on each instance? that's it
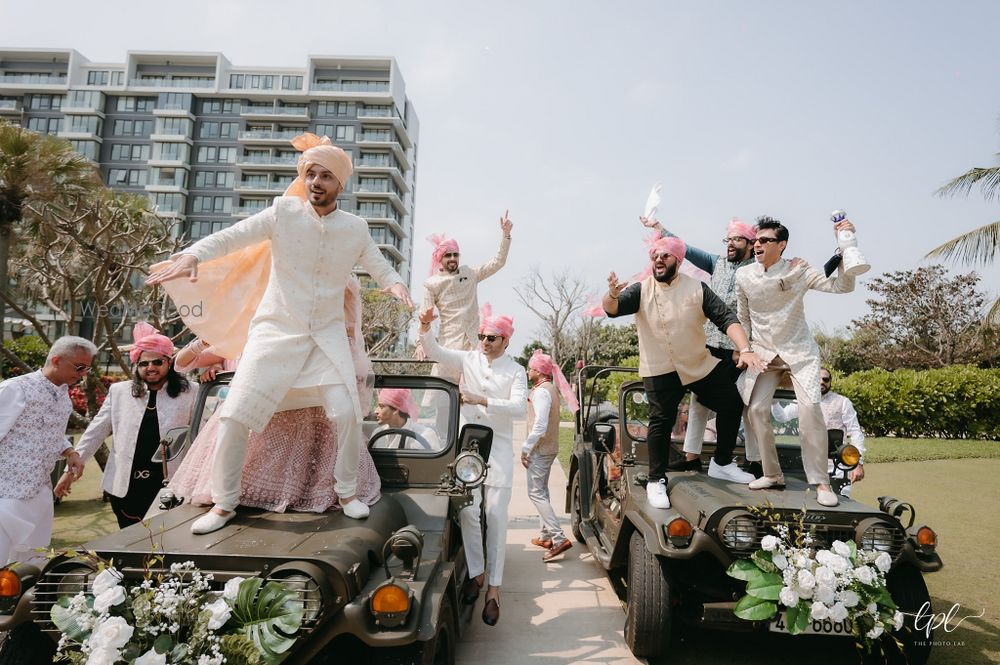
(403, 435)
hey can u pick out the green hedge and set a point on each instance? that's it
(957, 402)
(29, 348)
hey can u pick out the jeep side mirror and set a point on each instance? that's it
(476, 437)
(603, 436)
(834, 439)
(172, 445)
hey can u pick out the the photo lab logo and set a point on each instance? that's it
(926, 621)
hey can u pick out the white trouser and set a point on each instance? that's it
(698, 417)
(231, 450)
(539, 468)
(25, 525)
(497, 503)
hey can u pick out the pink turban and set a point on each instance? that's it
(147, 338)
(495, 325)
(738, 228)
(400, 399)
(442, 245)
(671, 245)
(542, 363)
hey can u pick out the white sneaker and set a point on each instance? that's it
(210, 522)
(826, 498)
(656, 494)
(356, 510)
(729, 472)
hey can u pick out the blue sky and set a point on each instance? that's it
(566, 113)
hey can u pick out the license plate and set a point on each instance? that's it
(815, 627)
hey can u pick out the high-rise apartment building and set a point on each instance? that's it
(208, 142)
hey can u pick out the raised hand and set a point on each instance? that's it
(505, 224)
(649, 223)
(400, 293)
(427, 316)
(614, 286)
(843, 225)
(185, 265)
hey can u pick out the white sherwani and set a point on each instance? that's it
(120, 416)
(297, 338)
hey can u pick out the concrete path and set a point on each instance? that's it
(555, 613)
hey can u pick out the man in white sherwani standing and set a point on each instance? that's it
(769, 297)
(494, 393)
(297, 352)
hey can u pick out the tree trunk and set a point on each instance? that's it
(6, 231)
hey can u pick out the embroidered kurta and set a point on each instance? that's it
(770, 308)
(297, 337)
(120, 416)
(504, 384)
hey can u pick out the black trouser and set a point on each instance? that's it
(717, 391)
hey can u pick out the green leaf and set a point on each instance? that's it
(163, 644)
(766, 587)
(884, 599)
(802, 616)
(752, 608)
(66, 621)
(268, 615)
(743, 569)
(763, 561)
(854, 550)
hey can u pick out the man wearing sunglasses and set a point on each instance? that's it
(494, 393)
(138, 414)
(34, 411)
(769, 295)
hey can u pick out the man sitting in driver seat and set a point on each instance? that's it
(395, 407)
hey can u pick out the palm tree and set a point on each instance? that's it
(978, 246)
(35, 170)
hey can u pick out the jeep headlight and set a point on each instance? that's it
(309, 596)
(881, 537)
(470, 469)
(739, 531)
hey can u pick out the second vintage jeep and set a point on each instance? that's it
(381, 590)
(669, 565)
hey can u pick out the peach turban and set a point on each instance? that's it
(442, 245)
(494, 325)
(738, 228)
(543, 363)
(318, 150)
(400, 399)
(147, 338)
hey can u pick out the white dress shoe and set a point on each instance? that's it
(656, 494)
(768, 482)
(826, 498)
(356, 510)
(210, 522)
(729, 472)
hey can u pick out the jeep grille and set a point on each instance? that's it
(63, 580)
(742, 536)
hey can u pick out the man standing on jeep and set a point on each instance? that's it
(671, 310)
(769, 298)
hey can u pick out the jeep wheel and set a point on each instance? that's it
(908, 590)
(27, 645)
(440, 649)
(576, 507)
(647, 613)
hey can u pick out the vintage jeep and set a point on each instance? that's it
(337, 565)
(669, 566)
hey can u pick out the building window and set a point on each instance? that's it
(291, 82)
(117, 78)
(260, 81)
(211, 154)
(172, 152)
(126, 152)
(97, 78)
(220, 106)
(212, 130)
(46, 102)
(236, 80)
(86, 148)
(173, 126)
(219, 205)
(213, 179)
(44, 125)
(373, 209)
(168, 202)
(132, 127)
(127, 177)
(135, 104)
(175, 100)
(345, 133)
(89, 124)
(85, 99)
(340, 109)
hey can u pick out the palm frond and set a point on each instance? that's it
(977, 246)
(987, 178)
(992, 318)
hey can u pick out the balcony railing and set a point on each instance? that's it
(9, 105)
(33, 78)
(351, 86)
(253, 159)
(172, 83)
(270, 110)
(269, 135)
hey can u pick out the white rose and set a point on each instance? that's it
(897, 620)
(151, 658)
(806, 579)
(824, 594)
(802, 561)
(807, 594)
(842, 549)
(872, 609)
(838, 612)
(819, 611)
(838, 564)
(112, 633)
(864, 574)
(768, 543)
(824, 557)
(232, 588)
(780, 561)
(107, 578)
(875, 632)
(848, 598)
(883, 562)
(825, 576)
(220, 614)
(103, 656)
(788, 597)
(109, 598)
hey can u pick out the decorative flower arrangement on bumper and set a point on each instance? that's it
(839, 584)
(177, 618)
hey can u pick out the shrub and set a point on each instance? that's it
(29, 348)
(957, 402)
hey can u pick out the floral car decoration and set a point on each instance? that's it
(842, 583)
(177, 618)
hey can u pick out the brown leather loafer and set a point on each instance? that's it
(491, 613)
(470, 590)
(544, 544)
(557, 550)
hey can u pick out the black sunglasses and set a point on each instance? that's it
(490, 338)
(156, 362)
(81, 367)
(764, 240)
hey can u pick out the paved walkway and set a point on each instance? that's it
(564, 612)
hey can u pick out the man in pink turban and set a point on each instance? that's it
(671, 310)
(138, 414)
(539, 450)
(297, 353)
(738, 242)
(397, 410)
(494, 393)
